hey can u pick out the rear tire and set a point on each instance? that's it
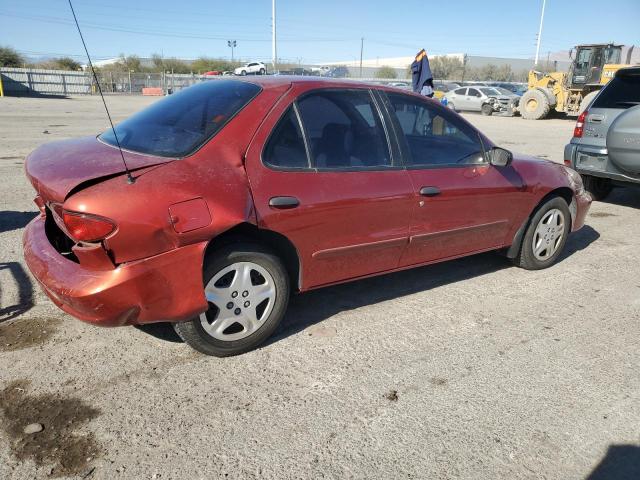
(247, 288)
(262, 71)
(486, 109)
(534, 105)
(545, 236)
(597, 187)
(451, 106)
(243, 73)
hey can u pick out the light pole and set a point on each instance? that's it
(540, 31)
(274, 51)
(361, 50)
(233, 44)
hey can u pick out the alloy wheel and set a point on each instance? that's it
(548, 235)
(241, 297)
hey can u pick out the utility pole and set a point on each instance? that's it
(540, 32)
(548, 55)
(233, 44)
(274, 51)
(361, 50)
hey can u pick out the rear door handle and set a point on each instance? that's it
(429, 191)
(283, 203)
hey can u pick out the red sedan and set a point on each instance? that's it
(247, 190)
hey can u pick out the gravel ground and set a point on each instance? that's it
(469, 369)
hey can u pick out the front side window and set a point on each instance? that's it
(434, 137)
(285, 147)
(181, 123)
(344, 130)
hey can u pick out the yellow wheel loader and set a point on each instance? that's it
(592, 67)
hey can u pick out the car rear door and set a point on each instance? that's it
(462, 204)
(324, 175)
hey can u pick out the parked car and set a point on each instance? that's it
(338, 72)
(605, 148)
(247, 190)
(517, 88)
(400, 85)
(322, 70)
(256, 68)
(487, 100)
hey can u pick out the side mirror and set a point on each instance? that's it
(499, 157)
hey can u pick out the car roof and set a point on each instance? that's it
(311, 81)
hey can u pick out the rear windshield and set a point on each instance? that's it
(622, 92)
(179, 124)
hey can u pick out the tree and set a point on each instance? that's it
(207, 64)
(386, 71)
(445, 68)
(66, 63)
(9, 57)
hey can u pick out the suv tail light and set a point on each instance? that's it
(579, 130)
(83, 227)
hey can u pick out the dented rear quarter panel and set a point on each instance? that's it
(214, 173)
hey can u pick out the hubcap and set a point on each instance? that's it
(241, 297)
(548, 234)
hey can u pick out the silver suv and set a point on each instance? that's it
(605, 148)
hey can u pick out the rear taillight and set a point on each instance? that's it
(83, 227)
(579, 130)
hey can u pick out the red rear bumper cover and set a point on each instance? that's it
(166, 287)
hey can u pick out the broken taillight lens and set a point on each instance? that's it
(579, 129)
(84, 227)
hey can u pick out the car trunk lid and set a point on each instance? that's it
(56, 169)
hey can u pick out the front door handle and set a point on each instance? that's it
(283, 203)
(429, 191)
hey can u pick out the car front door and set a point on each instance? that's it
(324, 175)
(474, 100)
(462, 203)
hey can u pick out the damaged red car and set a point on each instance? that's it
(245, 191)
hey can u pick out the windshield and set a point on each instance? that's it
(181, 123)
(490, 91)
(504, 91)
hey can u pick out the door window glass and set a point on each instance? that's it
(433, 135)
(460, 91)
(285, 147)
(344, 130)
(473, 93)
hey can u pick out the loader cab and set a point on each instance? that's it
(588, 63)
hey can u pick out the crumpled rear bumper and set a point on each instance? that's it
(165, 287)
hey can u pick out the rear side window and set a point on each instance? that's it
(285, 147)
(460, 91)
(474, 93)
(344, 130)
(181, 123)
(434, 137)
(622, 92)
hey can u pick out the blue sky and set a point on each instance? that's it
(313, 32)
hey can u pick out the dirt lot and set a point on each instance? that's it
(469, 369)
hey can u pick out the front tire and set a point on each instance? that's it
(486, 110)
(451, 106)
(534, 105)
(243, 73)
(263, 71)
(247, 288)
(545, 236)
(597, 187)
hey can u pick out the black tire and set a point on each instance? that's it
(486, 109)
(534, 105)
(262, 71)
(451, 106)
(243, 72)
(526, 258)
(597, 187)
(194, 334)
